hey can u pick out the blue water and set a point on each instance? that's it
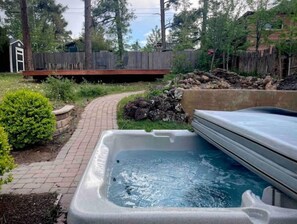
(180, 179)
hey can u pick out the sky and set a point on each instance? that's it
(146, 11)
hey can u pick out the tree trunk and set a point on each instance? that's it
(119, 32)
(162, 13)
(258, 38)
(280, 64)
(289, 65)
(204, 22)
(212, 60)
(227, 61)
(88, 35)
(26, 36)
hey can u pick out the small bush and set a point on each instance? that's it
(60, 89)
(154, 91)
(180, 64)
(27, 118)
(204, 61)
(6, 161)
(91, 90)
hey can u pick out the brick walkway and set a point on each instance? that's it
(63, 174)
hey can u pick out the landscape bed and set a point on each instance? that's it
(32, 208)
(93, 201)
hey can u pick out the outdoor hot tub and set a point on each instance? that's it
(171, 177)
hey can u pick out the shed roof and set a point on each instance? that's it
(12, 41)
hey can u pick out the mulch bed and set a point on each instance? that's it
(25, 209)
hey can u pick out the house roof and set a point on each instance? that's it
(74, 42)
(248, 13)
(281, 8)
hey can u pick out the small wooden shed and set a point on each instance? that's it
(16, 55)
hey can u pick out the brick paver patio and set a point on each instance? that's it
(63, 174)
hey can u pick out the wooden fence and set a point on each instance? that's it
(268, 62)
(109, 60)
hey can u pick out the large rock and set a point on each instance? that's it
(129, 110)
(141, 114)
(144, 104)
(178, 93)
(164, 106)
(156, 115)
(169, 116)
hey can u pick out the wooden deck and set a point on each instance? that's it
(109, 72)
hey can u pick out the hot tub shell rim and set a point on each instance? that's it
(100, 208)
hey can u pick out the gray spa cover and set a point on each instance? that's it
(262, 139)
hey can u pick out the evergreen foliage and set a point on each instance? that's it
(6, 161)
(27, 118)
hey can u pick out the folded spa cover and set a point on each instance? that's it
(262, 139)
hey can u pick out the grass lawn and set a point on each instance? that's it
(145, 124)
(12, 82)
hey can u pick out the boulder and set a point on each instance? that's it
(156, 115)
(141, 114)
(178, 93)
(267, 80)
(143, 104)
(178, 107)
(129, 110)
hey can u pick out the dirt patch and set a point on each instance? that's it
(47, 151)
(32, 208)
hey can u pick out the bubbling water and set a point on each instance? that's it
(204, 178)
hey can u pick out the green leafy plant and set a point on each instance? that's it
(91, 90)
(60, 89)
(204, 61)
(154, 91)
(6, 161)
(27, 118)
(180, 64)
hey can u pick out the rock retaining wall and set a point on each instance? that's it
(63, 117)
(236, 99)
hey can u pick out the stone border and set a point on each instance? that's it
(63, 117)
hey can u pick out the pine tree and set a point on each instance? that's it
(115, 17)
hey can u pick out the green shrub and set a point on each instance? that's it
(154, 91)
(59, 89)
(180, 64)
(204, 60)
(91, 90)
(6, 161)
(27, 118)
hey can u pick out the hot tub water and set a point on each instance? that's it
(204, 178)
